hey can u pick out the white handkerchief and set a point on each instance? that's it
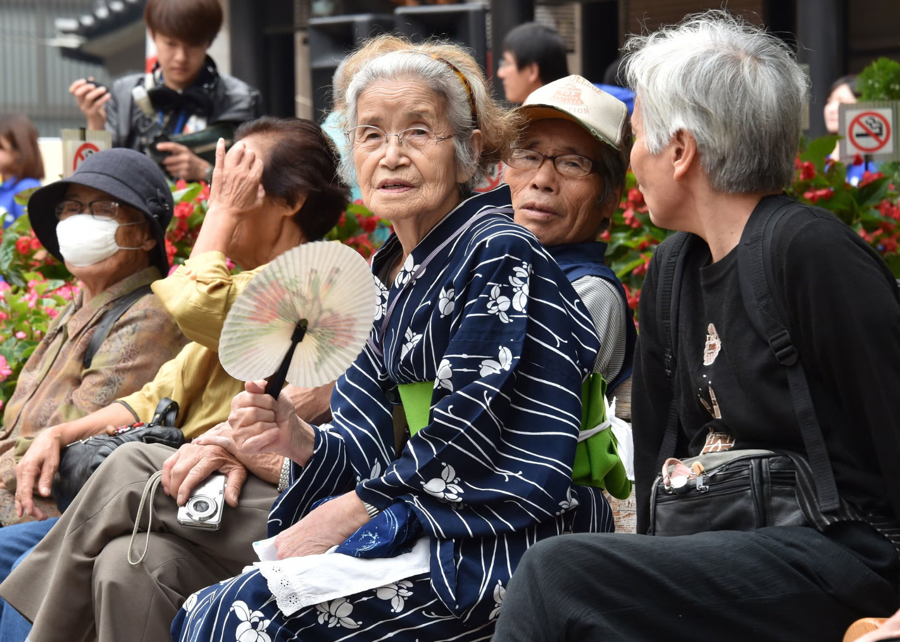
(299, 582)
(265, 550)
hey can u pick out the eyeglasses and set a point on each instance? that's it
(370, 138)
(101, 210)
(566, 164)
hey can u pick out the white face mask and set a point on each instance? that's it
(85, 240)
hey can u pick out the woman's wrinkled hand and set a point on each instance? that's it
(260, 423)
(237, 180)
(328, 525)
(193, 463)
(40, 463)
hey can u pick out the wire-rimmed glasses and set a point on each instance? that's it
(370, 138)
(573, 165)
(103, 210)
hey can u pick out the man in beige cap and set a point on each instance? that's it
(567, 178)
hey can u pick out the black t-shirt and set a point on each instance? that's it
(844, 319)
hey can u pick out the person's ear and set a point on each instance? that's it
(301, 201)
(684, 154)
(148, 244)
(476, 145)
(532, 73)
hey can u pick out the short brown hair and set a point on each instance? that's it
(301, 159)
(196, 22)
(23, 137)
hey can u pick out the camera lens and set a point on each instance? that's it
(201, 508)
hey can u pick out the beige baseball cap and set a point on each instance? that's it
(575, 98)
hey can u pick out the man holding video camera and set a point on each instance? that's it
(177, 112)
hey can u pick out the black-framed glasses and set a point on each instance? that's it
(370, 138)
(573, 165)
(101, 210)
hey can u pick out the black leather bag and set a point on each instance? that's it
(740, 490)
(80, 459)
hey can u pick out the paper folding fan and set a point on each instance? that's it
(304, 318)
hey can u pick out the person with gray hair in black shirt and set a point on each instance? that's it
(769, 344)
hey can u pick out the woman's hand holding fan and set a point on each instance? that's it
(259, 423)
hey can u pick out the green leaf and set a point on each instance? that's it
(358, 208)
(622, 270)
(880, 80)
(7, 251)
(187, 194)
(893, 262)
(196, 219)
(872, 215)
(22, 197)
(873, 193)
(818, 149)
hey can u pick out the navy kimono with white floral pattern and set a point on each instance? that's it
(494, 323)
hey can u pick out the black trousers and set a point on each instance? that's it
(791, 584)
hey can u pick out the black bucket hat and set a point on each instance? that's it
(129, 177)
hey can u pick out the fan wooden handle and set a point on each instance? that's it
(276, 383)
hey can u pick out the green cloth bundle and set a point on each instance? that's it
(597, 460)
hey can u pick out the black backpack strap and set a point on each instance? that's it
(668, 298)
(756, 280)
(109, 319)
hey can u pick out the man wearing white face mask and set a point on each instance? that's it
(107, 223)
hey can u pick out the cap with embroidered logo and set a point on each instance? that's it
(575, 98)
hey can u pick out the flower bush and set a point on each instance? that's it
(36, 288)
(871, 208)
(360, 229)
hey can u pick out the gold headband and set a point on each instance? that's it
(460, 75)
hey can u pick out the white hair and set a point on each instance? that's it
(735, 88)
(443, 81)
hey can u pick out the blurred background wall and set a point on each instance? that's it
(288, 48)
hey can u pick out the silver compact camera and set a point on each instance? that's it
(204, 507)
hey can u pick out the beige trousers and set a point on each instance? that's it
(77, 584)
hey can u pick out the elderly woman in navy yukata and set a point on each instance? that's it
(486, 345)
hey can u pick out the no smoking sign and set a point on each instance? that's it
(82, 153)
(870, 130)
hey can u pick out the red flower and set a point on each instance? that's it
(23, 244)
(170, 251)
(641, 270)
(807, 171)
(184, 210)
(814, 195)
(634, 298)
(889, 210)
(643, 245)
(35, 244)
(868, 177)
(858, 160)
(635, 196)
(606, 236)
(342, 220)
(630, 219)
(368, 223)
(180, 183)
